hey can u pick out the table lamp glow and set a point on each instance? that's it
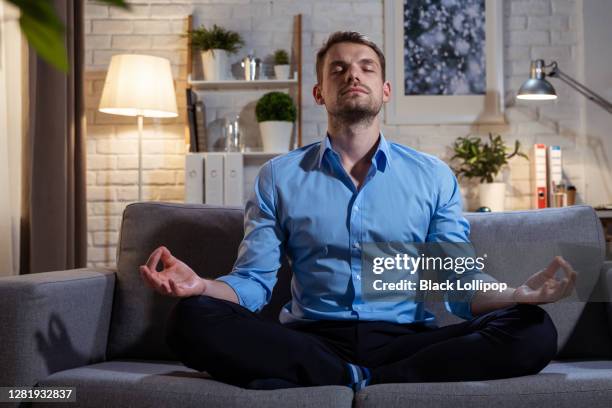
(141, 86)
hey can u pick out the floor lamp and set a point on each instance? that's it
(141, 86)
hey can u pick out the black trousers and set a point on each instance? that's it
(237, 346)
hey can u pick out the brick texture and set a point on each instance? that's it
(548, 29)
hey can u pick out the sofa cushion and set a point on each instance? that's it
(205, 237)
(559, 385)
(519, 243)
(133, 383)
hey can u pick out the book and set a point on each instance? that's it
(554, 172)
(192, 120)
(539, 195)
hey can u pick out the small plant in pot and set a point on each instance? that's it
(281, 64)
(275, 112)
(483, 161)
(215, 45)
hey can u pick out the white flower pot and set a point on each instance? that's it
(492, 195)
(215, 64)
(281, 71)
(276, 135)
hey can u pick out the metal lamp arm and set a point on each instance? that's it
(588, 93)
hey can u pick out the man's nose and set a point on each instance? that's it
(353, 73)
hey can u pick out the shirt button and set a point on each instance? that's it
(356, 208)
(356, 245)
(357, 277)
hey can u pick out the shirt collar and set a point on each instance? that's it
(382, 156)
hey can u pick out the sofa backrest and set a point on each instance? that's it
(519, 243)
(207, 238)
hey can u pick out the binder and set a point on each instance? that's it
(233, 179)
(555, 171)
(213, 178)
(194, 174)
(539, 178)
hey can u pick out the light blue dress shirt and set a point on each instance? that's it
(304, 204)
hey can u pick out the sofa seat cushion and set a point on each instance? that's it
(139, 383)
(561, 384)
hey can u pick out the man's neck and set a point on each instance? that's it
(356, 142)
(356, 145)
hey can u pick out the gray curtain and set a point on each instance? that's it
(54, 216)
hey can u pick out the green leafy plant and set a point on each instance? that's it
(478, 159)
(275, 106)
(44, 30)
(205, 39)
(281, 57)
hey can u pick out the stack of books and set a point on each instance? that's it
(548, 186)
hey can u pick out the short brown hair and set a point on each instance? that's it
(347, 36)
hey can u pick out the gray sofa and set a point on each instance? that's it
(102, 330)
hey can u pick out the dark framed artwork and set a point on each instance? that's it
(444, 61)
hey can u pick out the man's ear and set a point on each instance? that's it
(316, 93)
(386, 91)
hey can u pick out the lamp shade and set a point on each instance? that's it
(537, 88)
(139, 85)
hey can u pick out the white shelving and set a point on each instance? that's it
(240, 83)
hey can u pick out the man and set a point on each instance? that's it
(319, 204)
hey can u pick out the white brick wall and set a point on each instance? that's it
(532, 29)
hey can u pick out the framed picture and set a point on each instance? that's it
(444, 61)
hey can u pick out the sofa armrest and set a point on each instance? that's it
(53, 321)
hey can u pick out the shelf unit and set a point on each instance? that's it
(225, 178)
(236, 84)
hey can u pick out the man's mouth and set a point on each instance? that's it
(355, 89)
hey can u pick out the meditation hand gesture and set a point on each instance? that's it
(175, 279)
(542, 287)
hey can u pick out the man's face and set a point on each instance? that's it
(351, 85)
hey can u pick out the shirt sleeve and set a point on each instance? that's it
(449, 225)
(253, 275)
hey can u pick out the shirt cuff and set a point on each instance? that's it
(249, 293)
(461, 303)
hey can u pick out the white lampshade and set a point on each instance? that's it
(139, 85)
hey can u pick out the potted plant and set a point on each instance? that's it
(215, 45)
(482, 160)
(281, 64)
(275, 113)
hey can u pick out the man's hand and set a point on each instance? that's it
(176, 279)
(543, 287)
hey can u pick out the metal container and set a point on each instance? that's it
(251, 66)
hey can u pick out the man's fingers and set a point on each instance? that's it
(146, 275)
(569, 288)
(569, 271)
(570, 276)
(552, 267)
(145, 278)
(154, 259)
(150, 280)
(166, 256)
(155, 279)
(175, 290)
